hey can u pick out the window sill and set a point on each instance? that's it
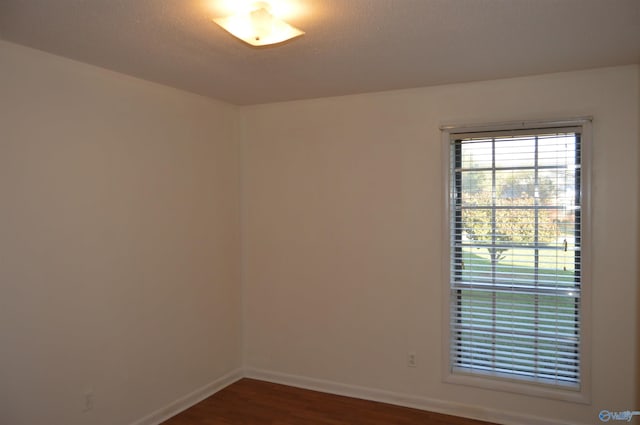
(532, 388)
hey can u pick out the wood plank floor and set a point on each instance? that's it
(252, 402)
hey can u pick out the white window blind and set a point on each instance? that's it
(515, 260)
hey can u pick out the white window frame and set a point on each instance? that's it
(519, 386)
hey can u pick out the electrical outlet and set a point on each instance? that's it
(88, 401)
(411, 359)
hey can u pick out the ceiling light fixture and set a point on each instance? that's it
(259, 27)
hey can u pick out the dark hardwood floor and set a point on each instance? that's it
(253, 402)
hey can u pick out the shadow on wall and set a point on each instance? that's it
(637, 400)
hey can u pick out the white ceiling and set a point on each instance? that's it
(350, 46)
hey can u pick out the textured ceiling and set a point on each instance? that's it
(350, 46)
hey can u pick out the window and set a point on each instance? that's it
(516, 262)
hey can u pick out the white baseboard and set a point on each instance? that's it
(183, 403)
(331, 387)
(406, 400)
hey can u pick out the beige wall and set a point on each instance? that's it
(120, 223)
(119, 242)
(342, 235)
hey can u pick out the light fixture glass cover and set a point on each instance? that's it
(259, 27)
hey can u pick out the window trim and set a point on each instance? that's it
(536, 389)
